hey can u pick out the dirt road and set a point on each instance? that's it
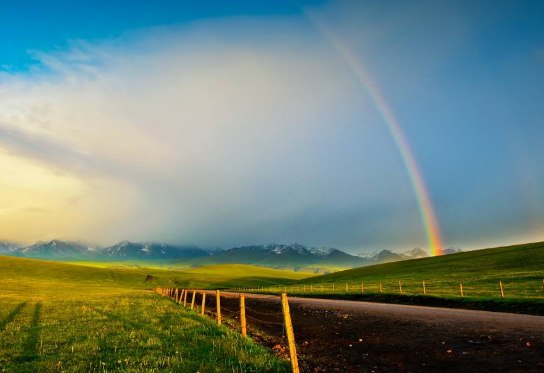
(348, 336)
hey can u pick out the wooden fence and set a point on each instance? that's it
(461, 289)
(180, 297)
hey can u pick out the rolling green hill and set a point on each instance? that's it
(519, 267)
(31, 275)
(466, 280)
(62, 317)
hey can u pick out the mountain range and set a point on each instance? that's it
(151, 251)
(7, 247)
(293, 256)
(385, 256)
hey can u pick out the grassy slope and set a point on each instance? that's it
(55, 316)
(20, 271)
(519, 267)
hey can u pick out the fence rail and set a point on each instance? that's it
(464, 289)
(245, 316)
(215, 311)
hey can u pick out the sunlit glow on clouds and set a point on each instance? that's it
(216, 146)
(220, 133)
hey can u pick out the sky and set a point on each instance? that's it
(360, 125)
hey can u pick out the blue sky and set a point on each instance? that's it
(233, 123)
(48, 25)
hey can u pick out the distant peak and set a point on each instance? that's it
(452, 250)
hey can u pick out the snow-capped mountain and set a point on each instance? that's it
(322, 251)
(57, 249)
(452, 250)
(126, 250)
(386, 256)
(7, 247)
(294, 256)
(415, 253)
(284, 256)
(70, 250)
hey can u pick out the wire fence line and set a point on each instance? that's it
(512, 288)
(211, 303)
(237, 313)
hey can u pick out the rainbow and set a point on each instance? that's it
(425, 206)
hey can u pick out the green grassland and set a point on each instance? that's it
(520, 268)
(18, 272)
(61, 317)
(188, 264)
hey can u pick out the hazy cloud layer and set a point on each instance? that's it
(226, 139)
(242, 131)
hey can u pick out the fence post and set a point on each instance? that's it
(381, 288)
(193, 300)
(218, 306)
(185, 298)
(243, 315)
(333, 287)
(424, 288)
(461, 290)
(347, 289)
(203, 303)
(400, 287)
(502, 290)
(362, 287)
(290, 333)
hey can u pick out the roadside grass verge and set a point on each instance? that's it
(128, 330)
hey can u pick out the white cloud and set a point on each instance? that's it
(224, 133)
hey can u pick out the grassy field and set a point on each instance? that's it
(520, 268)
(59, 317)
(22, 271)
